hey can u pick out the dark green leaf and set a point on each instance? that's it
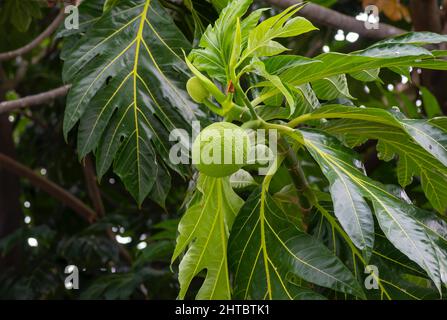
(128, 91)
(397, 219)
(268, 253)
(205, 228)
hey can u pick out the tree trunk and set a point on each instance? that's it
(10, 210)
(427, 16)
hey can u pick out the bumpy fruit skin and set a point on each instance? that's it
(226, 138)
(196, 90)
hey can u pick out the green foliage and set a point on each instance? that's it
(270, 254)
(397, 219)
(133, 48)
(305, 230)
(205, 228)
(396, 137)
(20, 13)
(271, 258)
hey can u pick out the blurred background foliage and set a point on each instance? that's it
(125, 253)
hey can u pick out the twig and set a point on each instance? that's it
(92, 187)
(29, 101)
(426, 15)
(30, 46)
(332, 18)
(247, 102)
(306, 196)
(48, 186)
(95, 197)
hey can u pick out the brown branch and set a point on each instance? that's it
(331, 18)
(444, 17)
(95, 197)
(11, 215)
(30, 46)
(29, 101)
(92, 186)
(48, 186)
(426, 15)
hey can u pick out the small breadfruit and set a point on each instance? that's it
(196, 90)
(220, 149)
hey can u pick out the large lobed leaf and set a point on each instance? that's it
(413, 160)
(260, 39)
(203, 234)
(232, 40)
(420, 144)
(270, 256)
(128, 92)
(216, 44)
(325, 71)
(398, 277)
(399, 220)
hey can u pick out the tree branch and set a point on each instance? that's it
(48, 186)
(95, 197)
(92, 186)
(426, 15)
(306, 197)
(334, 19)
(30, 46)
(29, 101)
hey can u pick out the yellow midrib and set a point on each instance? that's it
(138, 40)
(263, 241)
(359, 182)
